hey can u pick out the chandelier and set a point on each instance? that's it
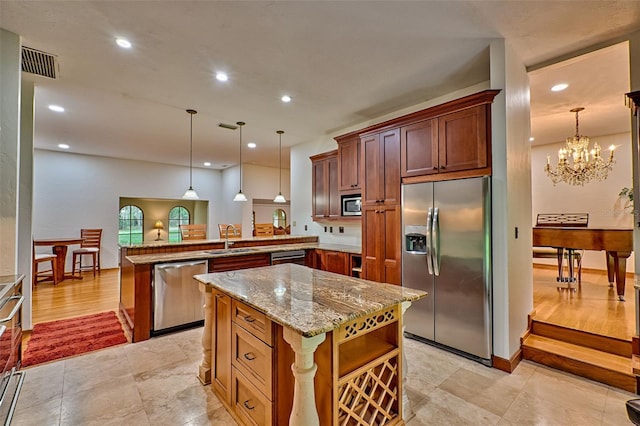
(577, 164)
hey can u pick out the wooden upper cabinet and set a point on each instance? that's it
(381, 168)
(419, 148)
(463, 140)
(452, 142)
(349, 165)
(325, 198)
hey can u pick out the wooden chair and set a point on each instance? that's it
(580, 220)
(90, 246)
(46, 274)
(233, 233)
(264, 229)
(193, 232)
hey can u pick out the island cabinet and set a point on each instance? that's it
(349, 159)
(304, 348)
(325, 198)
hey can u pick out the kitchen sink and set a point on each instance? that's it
(232, 250)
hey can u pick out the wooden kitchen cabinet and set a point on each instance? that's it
(232, 263)
(381, 248)
(381, 168)
(325, 198)
(349, 159)
(453, 142)
(221, 379)
(333, 261)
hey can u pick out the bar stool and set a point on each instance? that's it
(46, 274)
(90, 246)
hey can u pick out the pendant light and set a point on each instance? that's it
(190, 194)
(280, 198)
(240, 196)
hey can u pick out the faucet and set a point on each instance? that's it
(226, 234)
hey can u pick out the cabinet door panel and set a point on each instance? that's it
(419, 148)
(463, 140)
(334, 261)
(221, 344)
(334, 209)
(372, 172)
(392, 263)
(320, 199)
(349, 165)
(390, 147)
(371, 243)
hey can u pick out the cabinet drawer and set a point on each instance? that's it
(253, 358)
(253, 321)
(249, 404)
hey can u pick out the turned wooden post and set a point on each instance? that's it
(303, 412)
(204, 372)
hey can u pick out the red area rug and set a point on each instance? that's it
(64, 338)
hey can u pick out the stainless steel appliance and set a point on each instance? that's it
(294, 256)
(351, 205)
(446, 251)
(11, 301)
(177, 301)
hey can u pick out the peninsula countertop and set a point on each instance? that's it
(139, 259)
(307, 300)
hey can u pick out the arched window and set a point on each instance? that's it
(130, 225)
(279, 218)
(177, 216)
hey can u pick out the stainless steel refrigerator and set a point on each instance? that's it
(446, 251)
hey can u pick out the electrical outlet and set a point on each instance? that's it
(331, 229)
(341, 229)
(294, 223)
(325, 229)
(305, 227)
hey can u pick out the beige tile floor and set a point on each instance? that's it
(154, 383)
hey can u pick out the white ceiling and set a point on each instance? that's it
(342, 63)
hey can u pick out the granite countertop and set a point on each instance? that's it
(307, 300)
(7, 282)
(140, 259)
(157, 244)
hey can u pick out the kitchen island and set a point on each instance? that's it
(290, 344)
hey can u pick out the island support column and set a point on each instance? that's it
(204, 372)
(303, 412)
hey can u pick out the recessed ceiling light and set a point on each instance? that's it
(531, 139)
(559, 87)
(63, 146)
(220, 76)
(251, 145)
(286, 98)
(207, 164)
(123, 42)
(56, 108)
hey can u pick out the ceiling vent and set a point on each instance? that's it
(39, 63)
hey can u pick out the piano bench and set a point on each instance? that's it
(551, 253)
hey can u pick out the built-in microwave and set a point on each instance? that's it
(351, 205)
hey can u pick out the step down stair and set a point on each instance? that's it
(600, 358)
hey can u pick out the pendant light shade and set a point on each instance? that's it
(240, 196)
(190, 194)
(280, 198)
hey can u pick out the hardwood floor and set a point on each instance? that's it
(74, 298)
(594, 307)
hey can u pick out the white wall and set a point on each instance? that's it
(73, 191)
(599, 199)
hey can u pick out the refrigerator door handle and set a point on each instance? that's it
(429, 245)
(435, 241)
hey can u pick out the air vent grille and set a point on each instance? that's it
(39, 63)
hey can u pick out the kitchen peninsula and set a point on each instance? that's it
(269, 330)
(137, 264)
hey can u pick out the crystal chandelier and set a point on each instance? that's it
(577, 164)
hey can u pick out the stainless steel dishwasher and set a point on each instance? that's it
(177, 301)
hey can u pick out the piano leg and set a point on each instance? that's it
(618, 261)
(611, 268)
(571, 277)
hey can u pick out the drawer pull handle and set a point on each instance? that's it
(249, 356)
(248, 407)
(248, 318)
